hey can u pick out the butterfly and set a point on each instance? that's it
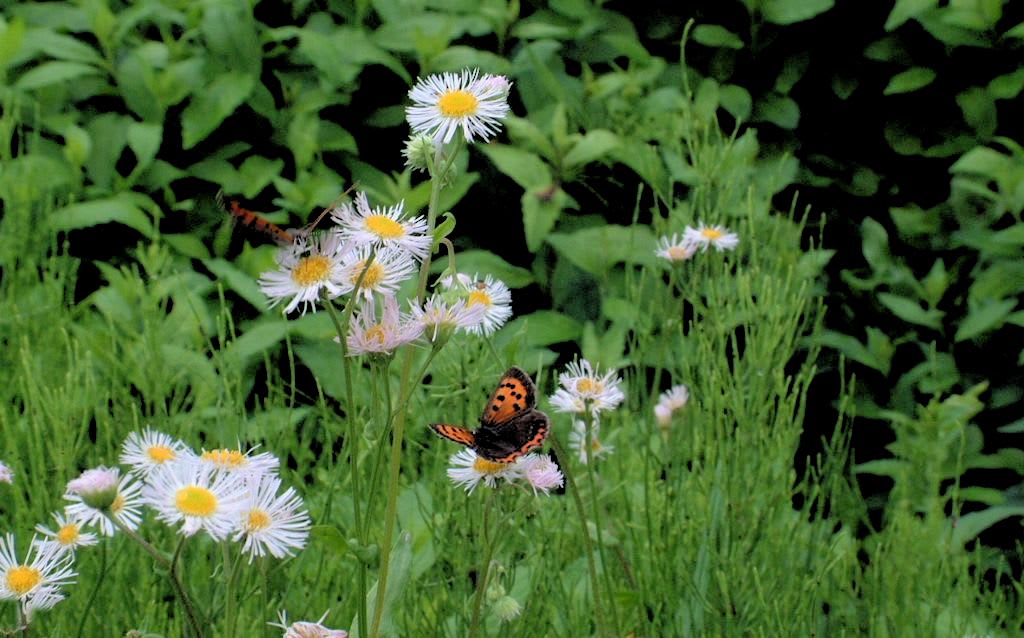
(253, 220)
(510, 426)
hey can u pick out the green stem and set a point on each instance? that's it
(172, 569)
(588, 443)
(485, 569)
(570, 484)
(230, 609)
(95, 590)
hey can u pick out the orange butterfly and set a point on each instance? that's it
(253, 220)
(510, 426)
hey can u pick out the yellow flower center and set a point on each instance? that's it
(678, 253)
(68, 534)
(376, 333)
(479, 297)
(484, 466)
(225, 458)
(23, 579)
(587, 385)
(311, 270)
(711, 233)
(118, 504)
(160, 453)
(384, 227)
(374, 274)
(257, 520)
(195, 501)
(457, 104)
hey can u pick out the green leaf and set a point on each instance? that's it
(256, 172)
(525, 168)
(545, 327)
(212, 105)
(981, 160)
(596, 250)
(713, 35)
(144, 139)
(909, 80)
(399, 569)
(736, 100)
(907, 9)
(238, 281)
(875, 244)
(984, 317)
(874, 355)
(119, 210)
(909, 310)
(188, 245)
(593, 146)
(443, 229)
(881, 467)
(780, 110)
(330, 536)
(540, 213)
(229, 30)
(58, 72)
(970, 525)
(791, 11)
(645, 160)
(484, 262)
(258, 339)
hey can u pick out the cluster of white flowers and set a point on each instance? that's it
(227, 493)
(675, 248)
(584, 390)
(670, 401)
(469, 469)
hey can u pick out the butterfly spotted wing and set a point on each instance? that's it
(510, 425)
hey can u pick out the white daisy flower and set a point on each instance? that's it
(389, 268)
(270, 522)
(304, 629)
(468, 470)
(100, 494)
(578, 442)
(152, 449)
(308, 269)
(675, 248)
(68, 536)
(488, 292)
(6, 474)
(541, 472)
(439, 318)
(35, 583)
(442, 104)
(382, 227)
(368, 336)
(197, 496)
(583, 389)
(670, 400)
(717, 236)
(235, 461)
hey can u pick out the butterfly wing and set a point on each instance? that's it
(514, 395)
(506, 442)
(454, 433)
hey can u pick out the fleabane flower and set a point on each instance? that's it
(440, 318)
(235, 461)
(540, 472)
(305, 629)
(198, 496)
(35, 583)
(491, 294)
(308, 270)
(675, 248)
(270, 522)
(588, 450)
(6, 474)
(717, 236)
(368, 336)
(585, 390)
(445, 103)
(670, 400)
(151, 449)
(361, 225)
(100, 496)
(383, 274)
(69, 534)
(469, 469)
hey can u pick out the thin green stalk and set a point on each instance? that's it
(485, 569)
(588, 420)
(230, 608)
(570, 484)
(172, 568)
(95, 590)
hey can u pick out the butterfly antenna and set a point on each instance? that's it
(332, 205)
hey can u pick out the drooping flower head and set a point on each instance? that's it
(152, 449)
(368, 336)
(445, 103)
(670, 400)
(588, 448)
(305, 629)
(270, 522)
(440, 318)
(308, 269)
(584, 389)
(100, 496)
(675, 248)
(198, 496)
(35, 583)
(717, 236)
(489, 293)
(380, 227)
